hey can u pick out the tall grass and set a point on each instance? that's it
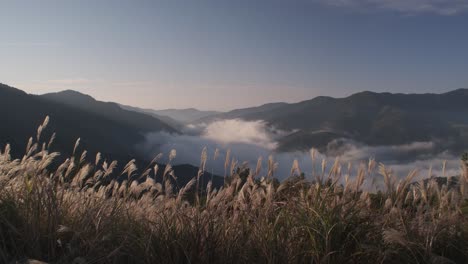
(78, 212)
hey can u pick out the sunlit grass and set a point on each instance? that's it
(78, 212)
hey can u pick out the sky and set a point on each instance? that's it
(222, 55)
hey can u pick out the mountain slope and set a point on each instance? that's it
(102, 127)
(112, 111)
(184, 116)
(112, 135)
(251, 113)
(169, 121)
(368, 117)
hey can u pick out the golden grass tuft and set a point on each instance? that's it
(81, 212)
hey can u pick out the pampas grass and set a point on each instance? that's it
(79, 212)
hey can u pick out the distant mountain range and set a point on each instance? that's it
(176, 124)
(103, 127)
(139, 121)
(367, 117)
(174, 117)
(185, 115)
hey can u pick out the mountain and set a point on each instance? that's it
(184, 116)
(112, 111)
(170, 121)
(368, 117)
(177, 118)
(102, 127)
(244, 113)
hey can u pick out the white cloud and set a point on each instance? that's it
(239, 131)
(350, 150)
(439, 7)
(249, 140)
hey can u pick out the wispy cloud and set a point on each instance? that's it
(78, 82)
(409, 7)
(72, 81)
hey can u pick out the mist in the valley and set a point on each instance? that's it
(249, 140)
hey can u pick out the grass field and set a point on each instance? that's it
(78, 213)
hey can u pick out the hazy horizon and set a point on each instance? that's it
(226, 110)
(222, 55)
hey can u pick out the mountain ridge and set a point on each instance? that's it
(27, 111)
(114, 138)
(110, 110)
(368, 117)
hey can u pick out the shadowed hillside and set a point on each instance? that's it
(367, 117)
(101, 126)
(112, 111)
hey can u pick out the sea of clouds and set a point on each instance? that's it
(249, 140)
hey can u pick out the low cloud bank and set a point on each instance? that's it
(238, 131)
(249, 140)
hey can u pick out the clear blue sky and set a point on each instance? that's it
(223, 54)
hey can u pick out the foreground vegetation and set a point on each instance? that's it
(78, 212)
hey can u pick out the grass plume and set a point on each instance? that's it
(80, 211)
